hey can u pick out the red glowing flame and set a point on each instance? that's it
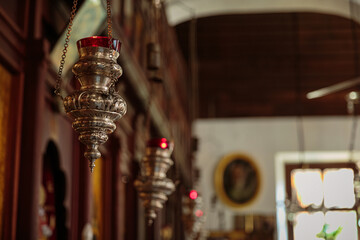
(193, 194)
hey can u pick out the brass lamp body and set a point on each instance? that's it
(153, 185)
(94, 107)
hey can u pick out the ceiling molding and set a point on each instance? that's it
(179, 11)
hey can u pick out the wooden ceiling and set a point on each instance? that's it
(264, 64)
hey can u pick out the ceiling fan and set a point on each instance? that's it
(352, 97)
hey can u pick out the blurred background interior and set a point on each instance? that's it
(259, 99)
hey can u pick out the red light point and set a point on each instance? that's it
(163, 145)
(199, 213)
(193, 194)
(158, 142)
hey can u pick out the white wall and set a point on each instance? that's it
(260, 138)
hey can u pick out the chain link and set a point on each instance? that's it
(111, 46)
(109, 22)
(66, 45)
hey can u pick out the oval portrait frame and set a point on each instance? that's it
(223, 167)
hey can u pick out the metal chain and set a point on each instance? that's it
(109, 22)
(66, 45)
(109, 33)
(353, 135)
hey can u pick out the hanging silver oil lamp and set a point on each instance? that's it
(153, 186)
(95, 107)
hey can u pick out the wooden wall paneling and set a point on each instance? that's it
(116, 199)
(158, 222)
(153, 230)
(125, 175)
(136, 147)
(11, 154)
(120, 176)
(131, 204)
(12, 52)
(115, 153)
(170, 214)
(30, 165)
(16, 13)
(179, 229)
(75, 231)
(114, 173)
(15, 141)
(121, 202)
(12, 38)
(35, 67)
(109, 185)
(84, 195)
(31, 155)
(150, 230)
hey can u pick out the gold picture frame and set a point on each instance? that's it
(237, 180)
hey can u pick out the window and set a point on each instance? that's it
(322, 194)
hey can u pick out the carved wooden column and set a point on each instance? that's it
(31, 155)
(85, 193)
(33, 107)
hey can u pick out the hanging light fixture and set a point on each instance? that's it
(193, 215)
(152, 184)
(96, 105)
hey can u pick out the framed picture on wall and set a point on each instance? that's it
(237, 180)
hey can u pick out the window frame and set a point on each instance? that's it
(285, 162)
(289, 167)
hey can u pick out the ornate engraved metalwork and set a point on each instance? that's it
(95, 107)
(153, 185)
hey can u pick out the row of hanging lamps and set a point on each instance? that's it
(96, 105)
(152, 184)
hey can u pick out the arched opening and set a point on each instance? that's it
(52, 213)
